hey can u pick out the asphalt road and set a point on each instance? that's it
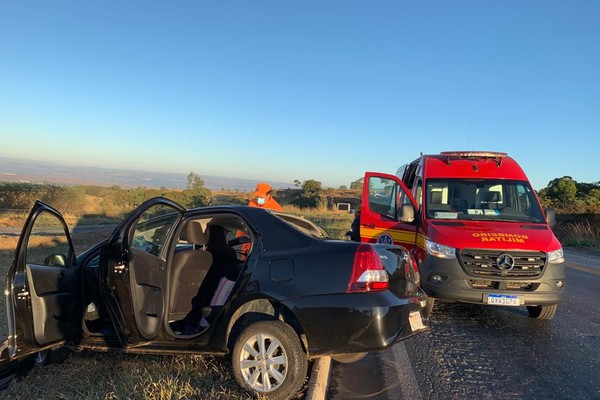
(485, 352)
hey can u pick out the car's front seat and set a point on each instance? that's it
(189, 268)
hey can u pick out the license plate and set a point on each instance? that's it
(504, 300)
(416, 323)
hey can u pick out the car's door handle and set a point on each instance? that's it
(119, 268)
(370, 226)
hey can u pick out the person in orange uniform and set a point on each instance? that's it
(263, 199)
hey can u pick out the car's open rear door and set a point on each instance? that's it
(134, 273)
(42, 290)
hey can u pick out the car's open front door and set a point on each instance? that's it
(134, 270)
(43, 291)
(388, 212)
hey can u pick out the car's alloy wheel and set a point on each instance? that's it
(263, 362)
(268, 358)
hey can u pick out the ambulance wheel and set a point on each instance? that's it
(542, 312)
(349, 358)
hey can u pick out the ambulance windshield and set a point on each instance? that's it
(481, 199)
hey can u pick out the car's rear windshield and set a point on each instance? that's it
(481, 199)
(303, 225)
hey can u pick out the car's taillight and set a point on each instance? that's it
(368, 274)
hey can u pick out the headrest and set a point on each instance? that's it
(216, 235)
(436, 197)
(494, 196)
(194, 234)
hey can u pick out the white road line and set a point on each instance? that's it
(584, 269)
(406, 375)
(319, 379)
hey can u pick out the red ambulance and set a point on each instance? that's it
(475, 226)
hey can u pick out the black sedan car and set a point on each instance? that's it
(270, 289)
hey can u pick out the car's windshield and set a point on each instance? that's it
(303, 225)
(481, 199)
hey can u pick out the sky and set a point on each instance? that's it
(286, 90)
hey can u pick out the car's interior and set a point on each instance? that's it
(207, 261)
(202, 268)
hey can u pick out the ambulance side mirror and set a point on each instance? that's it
(551, 217)
(407, 213)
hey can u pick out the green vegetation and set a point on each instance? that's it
(571, 197)
(357, 184)
(309, 194)
(577, 206)
(109, 201)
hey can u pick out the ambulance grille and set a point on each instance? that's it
(527, 264)
(502, 285)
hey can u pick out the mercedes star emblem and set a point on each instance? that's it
(505, 262)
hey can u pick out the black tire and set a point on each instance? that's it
(349, 358)
(542, 312)
(52, 356)
(42, 358)
(287, 361)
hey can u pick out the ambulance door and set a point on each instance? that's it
(388, 212)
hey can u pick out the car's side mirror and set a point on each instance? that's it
(55, 260)
(407, 213)
(551, 217)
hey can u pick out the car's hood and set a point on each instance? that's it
(493, 235)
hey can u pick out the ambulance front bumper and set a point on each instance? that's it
(445, 279)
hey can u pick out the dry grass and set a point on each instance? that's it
(580, 234)
(16, 219)
(88, 375)
(336, 223)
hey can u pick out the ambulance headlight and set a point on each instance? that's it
(439, 250)
(556, 256)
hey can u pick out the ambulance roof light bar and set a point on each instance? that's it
(498, 156)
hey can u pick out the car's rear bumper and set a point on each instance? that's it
(457, 285)
(357, 322)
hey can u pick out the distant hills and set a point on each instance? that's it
(17, 170)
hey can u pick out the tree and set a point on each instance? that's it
(297, 183)
(194, 181)
(343, 187)
(309, 194)
(357, 184)
(563, 190)
(195, 194)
